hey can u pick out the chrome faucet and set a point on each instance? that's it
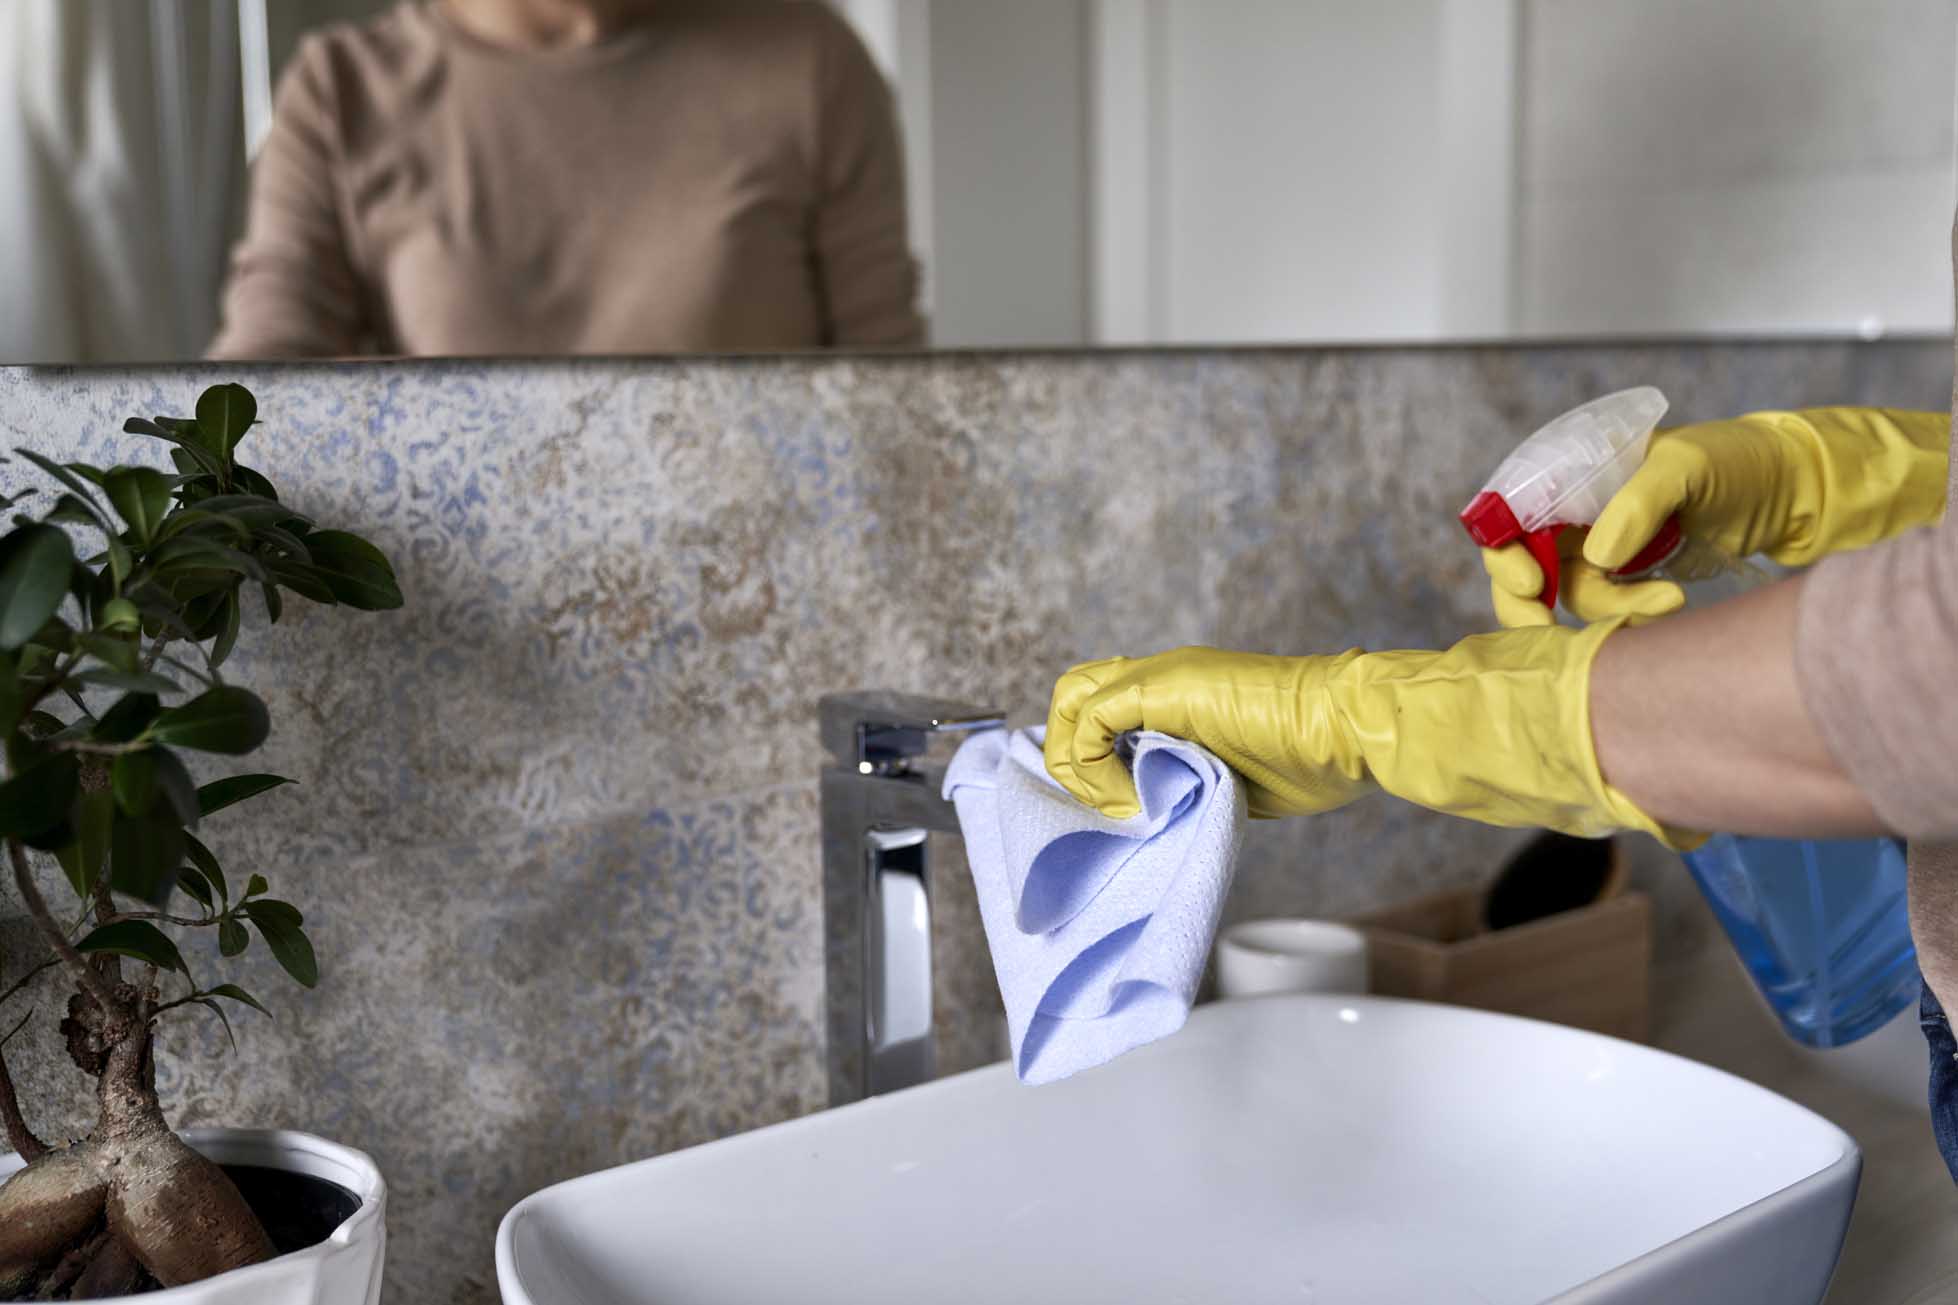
(879, 804)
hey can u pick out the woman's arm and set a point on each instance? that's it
(865, 273)
(1701, 721)
(1824, 705)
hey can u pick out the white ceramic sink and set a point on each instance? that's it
(1312, 1150)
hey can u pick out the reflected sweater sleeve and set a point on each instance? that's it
(865, 273)
(293, 292)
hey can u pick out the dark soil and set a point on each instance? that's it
(298, 1210)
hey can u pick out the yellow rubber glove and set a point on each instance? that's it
(1497, 728)
(1794, 486)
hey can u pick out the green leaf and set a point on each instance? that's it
(305, 580)
(197, 519)
(274, 605)
(197, 553)
(71, 509)
(200, 856)
(263, 909)
(221, 793)
(160, 611)
(200, 478)
(218, 1011)
(10, 697)
(358, 573)
(224, 414)
(256, 885)
(35, 661)
(43, 725)
(188, 451)
(228, 634)
(88, 588)
(251, 482)
(72, 481)
(195, 673)
(192, 881)
(144, 853)
(289, 944)
(137, 938)
(174, 786)
(288, 544)
(120, 614)
(82, 860)
(118, 652)
(206, 611)
(225, 719)
(232, 937)
(55, 636)
(125, 721)
(238, 994)
(133, 780)
(133, 681)
(34, 567)
(37, 799)
(254, 510)
(121, 563)
(141, 496)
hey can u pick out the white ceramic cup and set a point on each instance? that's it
(1259, 957)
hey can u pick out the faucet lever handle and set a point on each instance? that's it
(876, 731)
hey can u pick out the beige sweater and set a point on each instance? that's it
(724, 176)
(1876, 651)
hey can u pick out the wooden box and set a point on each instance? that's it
(1589, 968)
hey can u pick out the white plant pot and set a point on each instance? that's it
(345, 1269)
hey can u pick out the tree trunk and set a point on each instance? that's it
(133, 1186)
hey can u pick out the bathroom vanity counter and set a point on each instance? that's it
(1903, 1238)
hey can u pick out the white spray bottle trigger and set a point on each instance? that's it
(1567, 471)
(1564, 474)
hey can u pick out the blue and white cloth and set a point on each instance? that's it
(1099, 928)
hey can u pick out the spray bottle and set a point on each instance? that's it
(1822, 926)
(1561, 478)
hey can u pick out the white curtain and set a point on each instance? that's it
(121, 171)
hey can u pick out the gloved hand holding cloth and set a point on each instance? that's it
(1495, 729)
(1790, 486)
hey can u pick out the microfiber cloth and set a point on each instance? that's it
(1099, 928)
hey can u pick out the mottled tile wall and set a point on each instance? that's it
(557, 832)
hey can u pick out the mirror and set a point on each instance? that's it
(731, 176)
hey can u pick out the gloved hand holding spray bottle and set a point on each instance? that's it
(1821, 925)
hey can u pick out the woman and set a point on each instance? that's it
(576, 176)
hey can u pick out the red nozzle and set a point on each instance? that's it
(1491, 524)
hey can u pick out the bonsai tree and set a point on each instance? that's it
(110, 671)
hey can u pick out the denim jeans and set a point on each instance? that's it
(1944, 1077)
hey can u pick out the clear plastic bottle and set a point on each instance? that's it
(1821, 926)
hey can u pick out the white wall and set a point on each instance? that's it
(1190, 171)
(1746, 166)
(1009, 172)
(1302, 169)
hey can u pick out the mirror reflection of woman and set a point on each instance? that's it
(464, 177)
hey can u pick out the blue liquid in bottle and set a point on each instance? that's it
(1822, 927)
